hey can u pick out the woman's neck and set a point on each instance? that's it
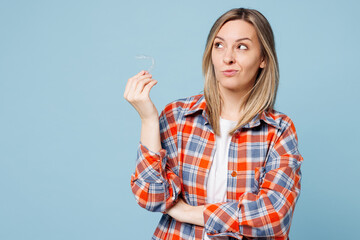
(232, 104)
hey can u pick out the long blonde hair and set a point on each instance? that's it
(263, 94)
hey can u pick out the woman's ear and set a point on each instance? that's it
(263, 63)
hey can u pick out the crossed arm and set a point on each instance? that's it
(184, 212)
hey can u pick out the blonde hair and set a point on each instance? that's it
(262, 96)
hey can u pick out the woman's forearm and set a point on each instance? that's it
(137, 94)
(194, 215)
(150, 134)
(184, 212)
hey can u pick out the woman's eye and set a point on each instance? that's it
(242, 47)
(217, 45)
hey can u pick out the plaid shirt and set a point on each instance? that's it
(263, 182)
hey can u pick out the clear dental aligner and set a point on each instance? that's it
(147, 57)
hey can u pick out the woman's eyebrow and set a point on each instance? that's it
(238, 40)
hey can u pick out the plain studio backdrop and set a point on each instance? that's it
(68, 138)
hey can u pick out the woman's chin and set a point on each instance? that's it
(231, 87)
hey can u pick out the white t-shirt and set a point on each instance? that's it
(217, 179)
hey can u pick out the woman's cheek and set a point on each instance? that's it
(252, 65)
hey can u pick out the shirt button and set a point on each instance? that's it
(234, 174)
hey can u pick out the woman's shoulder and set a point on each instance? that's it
(281, 119)
(186, 104)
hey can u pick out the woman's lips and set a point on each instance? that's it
(230, 73)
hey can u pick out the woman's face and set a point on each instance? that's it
(236, 55)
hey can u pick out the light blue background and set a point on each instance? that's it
(68, 138)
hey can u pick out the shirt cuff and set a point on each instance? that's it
(221, 219)
(151, 156)
(149, 165)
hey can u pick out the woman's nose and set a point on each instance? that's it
(229, 57)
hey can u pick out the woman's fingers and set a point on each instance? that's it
(148, 87)
(137, 94)
(139, 86)
(132, 83)
(141, 83)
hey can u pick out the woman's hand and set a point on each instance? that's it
(137, 94)
(184, 212)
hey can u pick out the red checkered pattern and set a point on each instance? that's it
(263, 174)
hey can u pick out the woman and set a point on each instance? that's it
(223, 164)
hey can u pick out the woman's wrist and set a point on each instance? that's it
(150, 134)
(194, 215)
(199, 215)
(150, 120)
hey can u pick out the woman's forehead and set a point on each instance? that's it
(237, 29)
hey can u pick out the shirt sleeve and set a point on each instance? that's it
(268, 212)
(155, 182)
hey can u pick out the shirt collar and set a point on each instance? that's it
(200, 105)
(266, 116)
